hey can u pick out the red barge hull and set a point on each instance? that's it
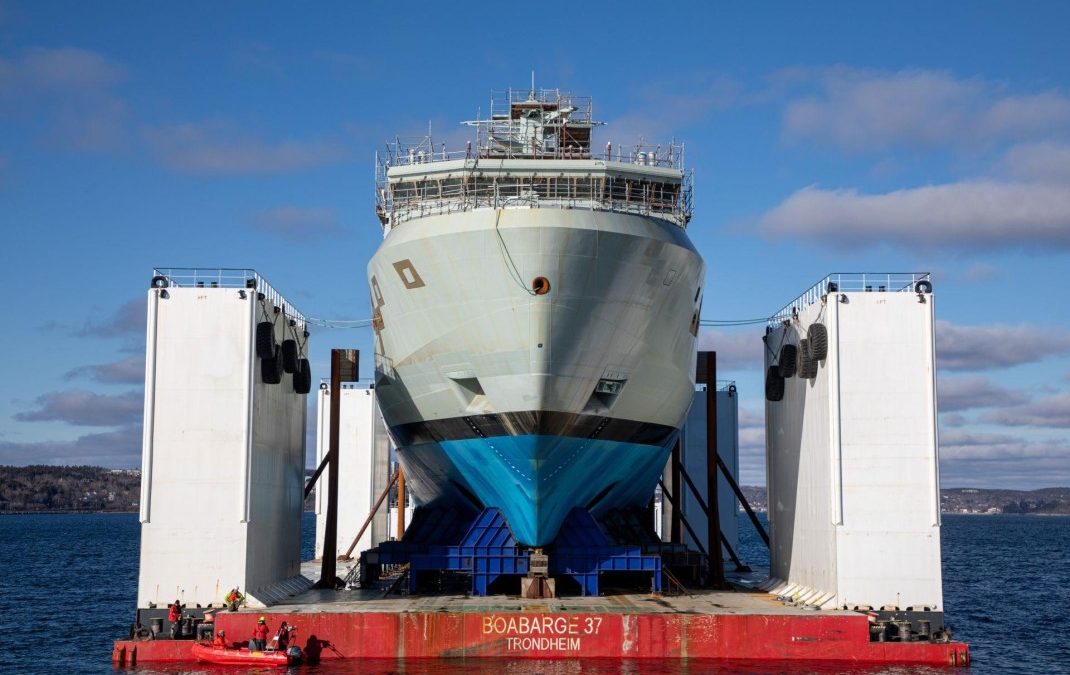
(841, 637)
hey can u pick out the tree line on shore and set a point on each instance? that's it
(44, 489)
(39, 489)
(68, 488)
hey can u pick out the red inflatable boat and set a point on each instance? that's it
(241, 657)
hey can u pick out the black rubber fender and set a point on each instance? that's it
(923, 286)
(787, 361)
(265, 340)
(289, 356)
(806, 367)
(774, 385)
(159, 281)
(303, 377)
(818, 338)
(271, 369)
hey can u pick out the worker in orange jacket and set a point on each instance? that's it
(234, 599)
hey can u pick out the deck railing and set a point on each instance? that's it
(672, 202)
(424, 150)
(847, 282)
(228, 277)
(402, 201)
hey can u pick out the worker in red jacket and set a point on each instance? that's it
(220, 640)
(174, 616)
(259, 639)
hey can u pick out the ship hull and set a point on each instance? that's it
(535, 404)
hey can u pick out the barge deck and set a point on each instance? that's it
(737, 625)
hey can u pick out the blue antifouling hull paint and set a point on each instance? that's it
(536, 480)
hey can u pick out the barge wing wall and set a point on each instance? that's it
(852, 456)
(364, 468)
(223, 452)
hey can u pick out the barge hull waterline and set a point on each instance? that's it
(840, 638)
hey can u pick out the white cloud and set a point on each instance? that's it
(953, 420)
(993, 346)
(127, 319)
(1024, 204)
(221, 149)
(67, 96)
(130, 370)
(1052, 411)
(966, 393)
(972, 445)
(981, 271)
(662, 109)
(298, 224)
(118, 449)
(862, 110)
(982, 214)
(57, 71)
(999, 460)
(1044, 161)
(86, 408)
(734, 350)
(1025, 116)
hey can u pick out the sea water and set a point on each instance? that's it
(68, 586)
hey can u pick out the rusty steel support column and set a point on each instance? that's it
(343, 369)
(675, 535)
(328, 570)
(401, 504)
(713, 519)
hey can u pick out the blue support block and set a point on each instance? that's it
(583, 552)
(488, 550)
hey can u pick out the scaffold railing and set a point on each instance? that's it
(531, 124)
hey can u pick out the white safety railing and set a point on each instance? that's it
(325, 383)
(226, 277)
(722, 385)
(423, 150)
(654, 196)
(852, 282)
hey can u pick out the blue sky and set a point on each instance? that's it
(824, 137)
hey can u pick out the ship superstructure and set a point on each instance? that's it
(535, 307)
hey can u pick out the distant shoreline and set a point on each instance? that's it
(75, 512)
(988, 515)
(89, 513)
(88, 489)
(55, 512)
